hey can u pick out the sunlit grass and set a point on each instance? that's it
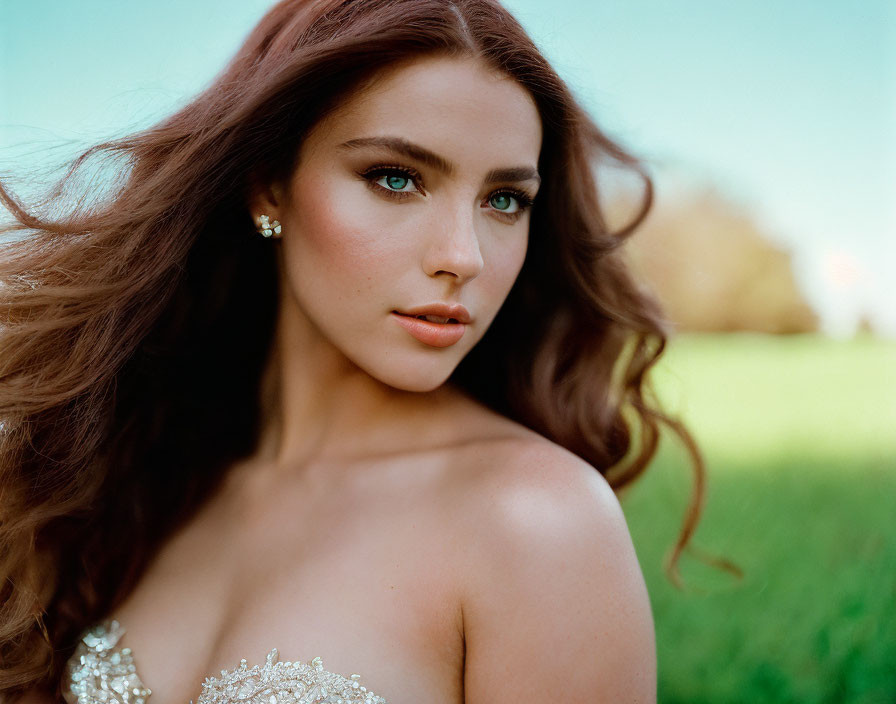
(800, 440)
(754, 395)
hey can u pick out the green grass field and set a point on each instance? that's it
(799, 434)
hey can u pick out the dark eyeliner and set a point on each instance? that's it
(373, 173)
(524, 200)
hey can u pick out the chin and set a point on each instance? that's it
(422, 388)
(420, 380)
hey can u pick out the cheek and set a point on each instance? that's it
(334, 230)
(506, 261)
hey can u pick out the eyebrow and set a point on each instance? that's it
(418, 153)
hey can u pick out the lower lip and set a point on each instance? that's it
(433, 334)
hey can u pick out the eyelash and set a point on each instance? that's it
(372, 174)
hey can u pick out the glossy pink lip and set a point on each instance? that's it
(443, 310)
(434, 334)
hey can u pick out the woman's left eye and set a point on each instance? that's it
(510, 202)
(505, 202)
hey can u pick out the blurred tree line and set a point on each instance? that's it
(715, 271)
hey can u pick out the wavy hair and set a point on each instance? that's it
(122, 311)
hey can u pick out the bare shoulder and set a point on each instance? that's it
(554, 601)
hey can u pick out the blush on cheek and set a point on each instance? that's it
(338, 230)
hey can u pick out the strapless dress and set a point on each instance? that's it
(101, 672)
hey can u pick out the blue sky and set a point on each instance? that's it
(787, 107)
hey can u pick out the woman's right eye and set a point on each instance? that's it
(392, 180)
(396, 182)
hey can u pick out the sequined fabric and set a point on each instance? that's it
(101, 672)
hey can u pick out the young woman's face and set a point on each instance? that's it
(414, 192)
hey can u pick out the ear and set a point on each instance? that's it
(266, 198)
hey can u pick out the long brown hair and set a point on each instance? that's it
(122, 312)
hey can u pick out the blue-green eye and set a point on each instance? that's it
(504, 202)
(396, 182)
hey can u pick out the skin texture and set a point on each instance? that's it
(388, 522)
(352, 252)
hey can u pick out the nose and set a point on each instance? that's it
(454, 248)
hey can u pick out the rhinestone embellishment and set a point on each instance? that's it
(287, 682)
(100, 672)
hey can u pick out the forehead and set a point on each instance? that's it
(461, 108)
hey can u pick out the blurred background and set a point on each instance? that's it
(769, 129)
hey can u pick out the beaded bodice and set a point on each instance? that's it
(101, 672)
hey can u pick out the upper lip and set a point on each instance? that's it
(443, 310)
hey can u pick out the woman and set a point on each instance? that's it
(344, 363)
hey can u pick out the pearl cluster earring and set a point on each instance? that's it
(268, 228)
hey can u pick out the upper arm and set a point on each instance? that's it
(555, 606)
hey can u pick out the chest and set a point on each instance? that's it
(364, 578)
